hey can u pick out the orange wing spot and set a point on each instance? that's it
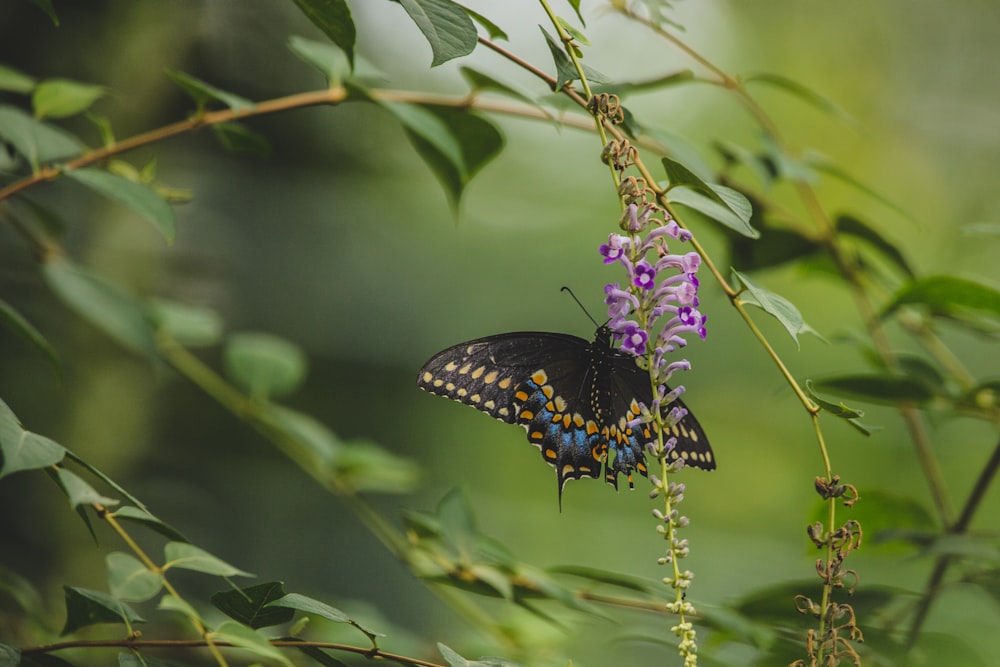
(568, 470)
(527, 415)
(578, 420)
(427, 377)
(548, 391)
(479, 371)
(539, 377)
(550, 454)
(634, 408)
(536, 435)
(585, 469)
(567, 420)
(504, 383)
(451, 366)
(465, 369)
(641, 467)
(591, 428)
(597, 453)
(521, 395)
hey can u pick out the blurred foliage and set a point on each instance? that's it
(188, 326)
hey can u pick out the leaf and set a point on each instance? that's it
(882, 389)
(14, 321)
(679, 175)
(238, 138)
(35, 140)
(575, 4)
(79, 491)
(250, 605)
(264, 365)
(855, 227)
(454, 143)
(480, 81)
(974, 547)
(202, 92)
(947, 296)
(86, 607)
(824, 165)
(319, 655)
(310, 606)
(776, 306)
(881, 511)
(318, 442)
(492, 28)
(130, 513)
(983, 229)
(804, 93)
(458, 525)
(189, 557)
(333, 18)
(364, 466)
(172, 603)
(625, 88)
(565, 72)
(249, 639)
(446, 26)
(9, 656)
(141, 198)
(103, 304)
(24, 450)
(841, 410)
(135, 660)
(779, 246)
(330, 60)
(130, 580)
(191, 326)
(455, 660)
(715, 211)
(15, 81)
(60, 98)
(607, 577)
(46, 6)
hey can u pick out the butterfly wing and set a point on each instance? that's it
(630, 386)
(539, 380)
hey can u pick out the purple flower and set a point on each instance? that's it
(615, 248)
(645, 275)
(634, 339)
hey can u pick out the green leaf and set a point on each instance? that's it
(317, 442)
(202, 92)
(249, 639)
(135, 660)
(458, 525)
(492, 28)
(46, 6)
(14, 321)
(824, 165)
(776, 306)
(333, 18)
(841, 410)
(625, 88)
(881, 511)
(317, 654)
(855, 227)
(189, 557)
(130, 513)
(171, 603)
(310, 606)
(86, 607)
(9, 656)
(779, 246)
(238, 138)
(679, 175)
(575, 4)
(79, 491)
(974, 547)
(454, 143)
(446, 25)
(24, 450)
(573, 32)
(479, 81)
(455, 660)
(141, 198)
(804, 93)
(15, 81)
(364, 466)
(264, 365)
(882, 389)
(60, 98)
(330, 60)
(250, 607)
(722, 213)
(565, 72)
(607, 577)
(948, 296)
(982, 229)
(130, 580)
(35, 140)
(103, 304)
(191, 326)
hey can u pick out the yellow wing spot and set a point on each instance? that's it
(479, 371)
(548, 391)
(469, 350)
(475, 398)
(561, 404)
(450, 386)
(438, 382)
(521, 395)
(490, 404)
(503, 412)
(450, 366)
(585, 469)
(504, 383)
(578, 420)
(539, 377)
(462, 391)
(490, 377)
(568, 469)
(427, 377)
(465, 369)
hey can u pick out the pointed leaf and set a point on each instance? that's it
(804, 93)
(172, 603)
(823, 164)
(24, 450)
(480, 81)
(9, 656)
(189, 557)
(106, 306)
(607, 577)
(310, 606)
(142, 199)
(317, 654)
(722, 213)
(249, 639)
(317, 442)
(330, 60)
(239, 138)
(882, 389)
(202, 92)
(130, 580)
(191, 326)
(455, 660)
(15, 322)
(333, 18)
(458, 525)
(15, 81)
(250, 607)
(565, 72)
(79, 491)
(86, 607)
(447, 27)
(364, 466)
(775, 305)
(130, 513)
(263, 365)
(59, 98)
(35, 140)
(492, 28)
(855, 227)
(948, 296)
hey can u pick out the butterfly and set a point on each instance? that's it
(575, 398)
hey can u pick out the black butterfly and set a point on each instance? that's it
(573, 397)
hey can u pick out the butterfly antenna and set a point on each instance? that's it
(564, 288)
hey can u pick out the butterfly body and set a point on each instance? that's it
(575, 398)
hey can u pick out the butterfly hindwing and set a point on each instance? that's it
(575, 399)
